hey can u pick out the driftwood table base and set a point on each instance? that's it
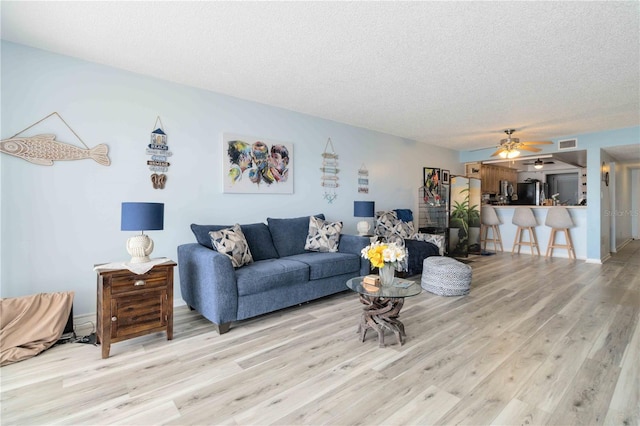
(380, 314)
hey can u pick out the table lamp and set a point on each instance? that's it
(141, 217)
(363, 209)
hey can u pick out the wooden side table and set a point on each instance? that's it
(132, 305)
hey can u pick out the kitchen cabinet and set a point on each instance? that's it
(490, 176)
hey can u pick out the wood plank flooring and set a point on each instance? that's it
(537, 341)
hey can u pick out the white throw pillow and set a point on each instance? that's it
(231, 242)
(323, 236)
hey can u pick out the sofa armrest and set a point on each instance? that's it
(208, 282)
(354, 244)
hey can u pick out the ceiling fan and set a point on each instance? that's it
(538, 164)
(511, 147)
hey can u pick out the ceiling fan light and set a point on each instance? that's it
(513, 153)
(503, 154)
(538, 164)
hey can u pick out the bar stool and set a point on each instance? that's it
(559, 219)
(523, 218)
(489, 220)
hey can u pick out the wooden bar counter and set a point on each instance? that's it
(578, 232)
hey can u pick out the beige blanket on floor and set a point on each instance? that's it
(31, 324)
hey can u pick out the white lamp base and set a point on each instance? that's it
(140, 247)
(363, 227)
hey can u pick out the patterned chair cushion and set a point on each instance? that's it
(392, 229)
(404, 230)
(323, 236)
(385, 223)
(231, 242)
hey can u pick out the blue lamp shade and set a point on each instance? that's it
(142, 217)
(364, 208)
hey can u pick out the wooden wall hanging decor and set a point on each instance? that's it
(45, 149)
(159, 152)
(329, 172)
(363, 180)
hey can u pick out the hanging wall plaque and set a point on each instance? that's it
(159, 152)
(329, 172)
(363, 180)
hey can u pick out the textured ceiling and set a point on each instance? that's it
(453, 74)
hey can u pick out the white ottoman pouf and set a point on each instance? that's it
(445, 276)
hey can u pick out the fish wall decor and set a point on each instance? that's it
(45, 149)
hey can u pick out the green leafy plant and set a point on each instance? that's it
(464, 216)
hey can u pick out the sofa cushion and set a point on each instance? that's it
(289, 235)
(231, 242)
(323, 265)
(269, 274)
(323, 236)
(257, 235)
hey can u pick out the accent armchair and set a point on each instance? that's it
(397, 226)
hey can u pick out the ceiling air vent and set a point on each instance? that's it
(567, 144)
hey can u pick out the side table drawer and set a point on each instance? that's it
(131, 282)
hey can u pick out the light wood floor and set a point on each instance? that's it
(536, 342)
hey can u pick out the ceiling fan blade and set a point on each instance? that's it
(529, 148)
(497, 152)
(537, 143)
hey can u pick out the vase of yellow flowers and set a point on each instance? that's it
(386, 257)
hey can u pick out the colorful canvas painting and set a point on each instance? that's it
(253, 165)
(431, 179)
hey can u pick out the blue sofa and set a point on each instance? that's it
(283, 273)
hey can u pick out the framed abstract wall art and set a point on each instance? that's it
(253, 165)
(431, 179)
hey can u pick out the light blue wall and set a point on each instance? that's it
(58, 221)
(598, 196)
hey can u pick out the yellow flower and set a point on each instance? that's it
(380, 254)
(376, 257)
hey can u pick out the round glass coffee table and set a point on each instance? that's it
(382, 305)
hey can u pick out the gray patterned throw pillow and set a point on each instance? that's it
(403, 229)
(231, 242)
(323, 236)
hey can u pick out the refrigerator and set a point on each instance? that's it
(530, 193)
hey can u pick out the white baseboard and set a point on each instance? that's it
(596, 261)
(621, 246)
